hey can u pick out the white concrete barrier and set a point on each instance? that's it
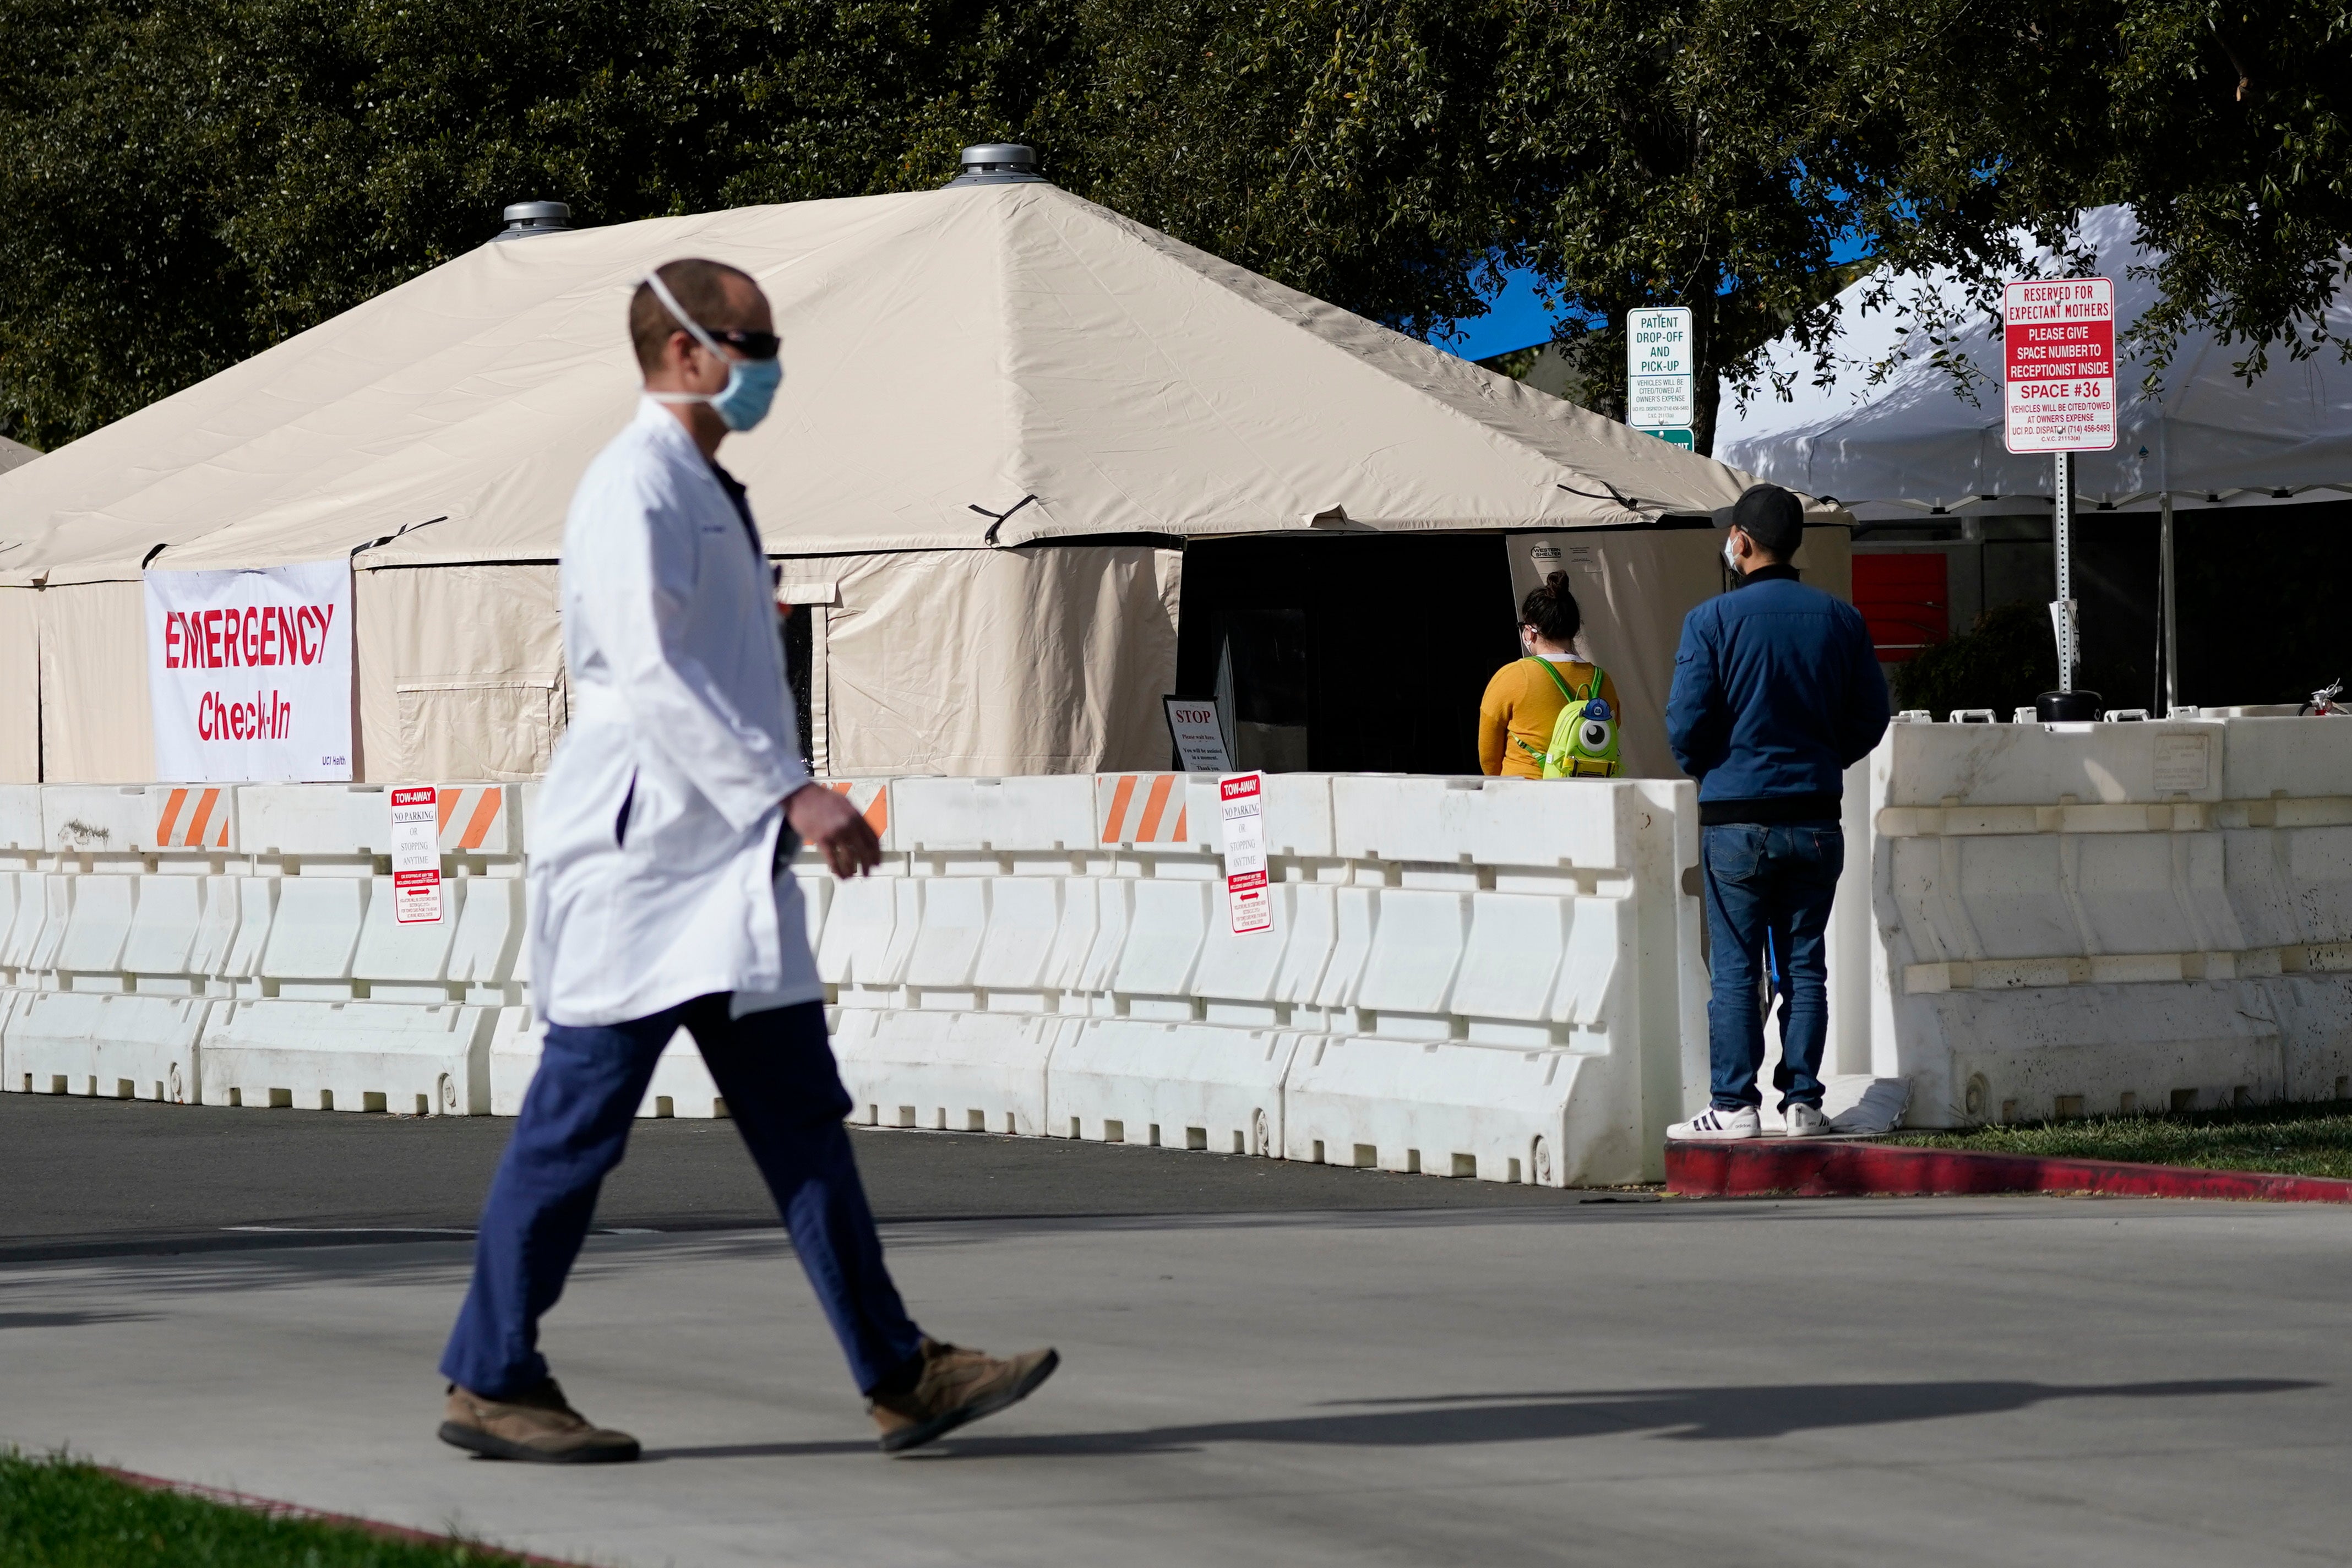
(20, 819)
(486, 946)
(1061, 958)
(162, 937)
(1440, 1108)
(1180, 1086)
(98, 923)
(1049, 813)
(2086, 919)
(244, 938)
(98, 820)
(315, 933)
(307, 822)
(961, 1071)
(114, 1047)
(349, 1055)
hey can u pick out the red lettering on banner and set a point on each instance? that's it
(249, 637)
(268, 716)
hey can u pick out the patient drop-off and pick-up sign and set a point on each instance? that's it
(1661, 382)
(2059, 386)
(1242, 799)
(417, 855)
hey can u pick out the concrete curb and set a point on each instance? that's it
(1833, 1168)
(488, 1556)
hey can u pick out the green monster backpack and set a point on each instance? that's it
(1584, 736)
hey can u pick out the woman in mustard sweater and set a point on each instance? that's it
(1524, 700)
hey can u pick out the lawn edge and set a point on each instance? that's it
(271, 1508)
(1836, 1168)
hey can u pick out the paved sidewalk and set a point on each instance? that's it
(90, 1177)
(1993, 1382)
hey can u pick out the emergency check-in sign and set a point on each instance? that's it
(2058, 392)
(249, 673)
(1243, 798)
(417, 855)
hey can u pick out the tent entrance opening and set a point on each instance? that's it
(1361, 654)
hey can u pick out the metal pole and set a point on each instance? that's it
(2164, 608)
(2063, 494)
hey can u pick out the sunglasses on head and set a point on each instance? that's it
(750, 346)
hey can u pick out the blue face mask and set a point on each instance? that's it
(750, 387)
(751, 383)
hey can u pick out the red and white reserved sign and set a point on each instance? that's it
(1242, 797)
(2058, 392)
(416, 855)
(249, 673)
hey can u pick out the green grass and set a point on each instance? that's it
(2294, 1140)
(57, 1513)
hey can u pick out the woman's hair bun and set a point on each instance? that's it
(1551, 609)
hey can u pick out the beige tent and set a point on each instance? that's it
(1004, 409)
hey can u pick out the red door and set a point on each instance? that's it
(1903, 599)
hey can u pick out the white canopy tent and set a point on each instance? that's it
(1005, 408)
(1917, 440)
(2204, 438)
(15, 454)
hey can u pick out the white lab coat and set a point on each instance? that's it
(680, 709)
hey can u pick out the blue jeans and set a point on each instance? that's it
(1768, 900)
(776, 1072)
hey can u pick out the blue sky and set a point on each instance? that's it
(1516, 317)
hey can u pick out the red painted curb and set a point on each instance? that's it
(1831, 1168)
(269, 1507)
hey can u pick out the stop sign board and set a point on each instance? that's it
(2059, 386)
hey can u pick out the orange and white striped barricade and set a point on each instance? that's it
(480, 818)
(194, 816)
(1141, 811)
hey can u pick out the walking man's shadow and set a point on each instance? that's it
(1685, 1414)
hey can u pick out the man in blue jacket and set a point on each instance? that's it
(1777, 692)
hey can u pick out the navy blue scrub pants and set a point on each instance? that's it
(775, 1070)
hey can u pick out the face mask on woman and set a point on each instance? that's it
(751, 382)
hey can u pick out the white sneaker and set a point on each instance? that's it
(1807, 1122)
(1714, 1125)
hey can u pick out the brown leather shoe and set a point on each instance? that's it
(957, 1386)
(538, 1425)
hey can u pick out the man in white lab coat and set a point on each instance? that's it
(659, 899)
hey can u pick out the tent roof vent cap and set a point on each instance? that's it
(999, 163)
(527, 219)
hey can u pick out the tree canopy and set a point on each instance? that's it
(183, 184)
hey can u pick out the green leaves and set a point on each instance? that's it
(185, 184)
